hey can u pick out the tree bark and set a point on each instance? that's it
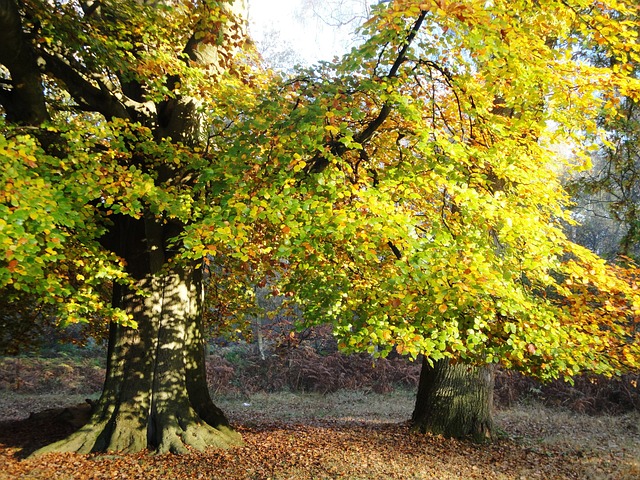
(155, 394)
(24, 102)
(455, 400)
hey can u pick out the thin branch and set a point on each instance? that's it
(319, 162)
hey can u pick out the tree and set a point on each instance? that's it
(471, 263)
(455, 400)
(406, 194)
(608, 195)
(101, 199)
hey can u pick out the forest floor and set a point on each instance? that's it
(345, 434)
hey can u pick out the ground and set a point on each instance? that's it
(346, 434)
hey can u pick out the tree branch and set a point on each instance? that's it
(318, 163)
(24, 102)
(88, 96)
(368, 132)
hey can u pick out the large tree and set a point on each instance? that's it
(407, 193)
(455, 204)
(103, 197)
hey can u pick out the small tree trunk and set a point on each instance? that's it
(155, 394)
(455, 400)
(256, 323)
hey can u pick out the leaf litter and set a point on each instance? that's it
(349, 435)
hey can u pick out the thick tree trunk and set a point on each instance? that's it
(24, 103)
(455, 400)
(155, 394)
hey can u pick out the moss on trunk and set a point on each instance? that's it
(455, 400)
(155, 394)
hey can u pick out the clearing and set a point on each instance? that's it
(346, 434)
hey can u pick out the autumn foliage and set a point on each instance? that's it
(411, 191)
(407, 194)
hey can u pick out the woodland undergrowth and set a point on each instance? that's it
(238, 370)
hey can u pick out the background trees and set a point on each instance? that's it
(607, 196)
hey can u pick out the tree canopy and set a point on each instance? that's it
(408, 193)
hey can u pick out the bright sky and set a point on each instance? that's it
(281, 25)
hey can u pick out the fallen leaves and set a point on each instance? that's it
(309, 446)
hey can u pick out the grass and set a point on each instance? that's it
(609, 445)
(341, 406)
(18, 406)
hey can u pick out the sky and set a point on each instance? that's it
(306, 29)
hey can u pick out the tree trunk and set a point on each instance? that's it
(155, 394)
(256, 323)
(24, 103)
(455, 400)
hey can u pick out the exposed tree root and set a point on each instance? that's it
(177, 434)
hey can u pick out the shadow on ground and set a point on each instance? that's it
(42, 428)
